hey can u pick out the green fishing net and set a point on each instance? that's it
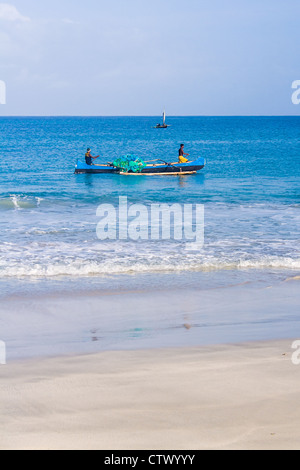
(129, 163)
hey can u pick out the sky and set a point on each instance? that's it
(136, 57)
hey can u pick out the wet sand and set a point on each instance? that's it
(60, 324)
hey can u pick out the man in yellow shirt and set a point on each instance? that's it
(182, 155)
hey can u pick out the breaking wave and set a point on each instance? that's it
(16, 202)
(54, 265)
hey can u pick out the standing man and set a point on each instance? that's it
(182, 159)
(89, 158)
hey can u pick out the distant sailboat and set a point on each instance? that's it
(163, 125)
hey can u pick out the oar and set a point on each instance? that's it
(169, 164)
(107, 163)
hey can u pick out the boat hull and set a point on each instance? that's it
(83, 168)
(167, 169)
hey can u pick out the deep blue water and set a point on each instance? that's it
(250, 190)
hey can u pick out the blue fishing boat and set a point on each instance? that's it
(158, 167)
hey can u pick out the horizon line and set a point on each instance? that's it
(144, 115)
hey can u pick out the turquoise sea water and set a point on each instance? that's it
(250, 190)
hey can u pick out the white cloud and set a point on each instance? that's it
(10, 13)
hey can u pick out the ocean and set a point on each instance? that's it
(249, 190)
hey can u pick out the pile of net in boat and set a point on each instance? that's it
(129, 163)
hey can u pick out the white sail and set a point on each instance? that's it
(164, 118)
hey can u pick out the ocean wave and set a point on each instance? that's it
(16, 202)
(79, 267)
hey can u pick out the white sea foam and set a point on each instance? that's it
(47, 265)
(54, 242)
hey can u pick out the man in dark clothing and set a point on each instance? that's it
(89, 158)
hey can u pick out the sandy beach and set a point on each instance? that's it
(242, 396)
(149, 227)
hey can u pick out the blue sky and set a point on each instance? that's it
(135, 57)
